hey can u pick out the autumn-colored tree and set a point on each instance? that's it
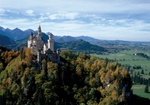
(77, 79)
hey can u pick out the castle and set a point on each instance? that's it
(41, 49)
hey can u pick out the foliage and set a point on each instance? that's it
(146, 89)
(143, 55)
(78, 79)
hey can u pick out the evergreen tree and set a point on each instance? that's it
(146, 89)
(142, 71)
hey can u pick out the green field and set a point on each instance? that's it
(129, 57)
(139, 90)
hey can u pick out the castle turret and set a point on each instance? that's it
(51, 42)
(39, 30)
(30, 40)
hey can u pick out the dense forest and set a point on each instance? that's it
(77, 79)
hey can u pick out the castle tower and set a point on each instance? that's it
(44, 48)
(30, 40)
(51, 42)
(39, 30)
(39, 56)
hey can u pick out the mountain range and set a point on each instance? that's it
(17, 38)
(18, 34)
(15, 34)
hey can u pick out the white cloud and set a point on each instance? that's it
(21, 23)
(130, 30)
(2, 11)
(103, 19)
(70, 16)
(30, 12)
(100, 6)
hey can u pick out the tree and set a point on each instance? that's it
(1, 66)
(142, 72)
(79, 79)
(147, 89)
(22, 55)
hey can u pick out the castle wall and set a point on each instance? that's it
(29, 43)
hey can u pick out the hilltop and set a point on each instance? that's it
(81, 46)
(80, 79)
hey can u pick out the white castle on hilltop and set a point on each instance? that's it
(40, 49)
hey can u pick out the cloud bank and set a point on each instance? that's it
(112, 20)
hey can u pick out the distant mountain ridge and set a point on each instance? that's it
(20, 37)
(88, 39)
(18, 34)
(6, 41)
(71, 38)
(64, 39)
(15, 34)
(80, 45)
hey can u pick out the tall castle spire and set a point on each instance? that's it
(39, 30)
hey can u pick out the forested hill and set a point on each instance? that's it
(80, 46)
(79, 79)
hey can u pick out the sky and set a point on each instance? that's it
(102, 19)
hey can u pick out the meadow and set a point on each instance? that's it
(139, 90)
(130, 58)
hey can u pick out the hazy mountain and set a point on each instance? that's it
(73, 43)
(88, 39)
(21, 37)
(64, 39)
(18, 34)
(68, 38)
(5, 41)
(5, 32)
(2, 31)
(45, 37)
(28, 31)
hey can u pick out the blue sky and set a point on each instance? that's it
(101, 19)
